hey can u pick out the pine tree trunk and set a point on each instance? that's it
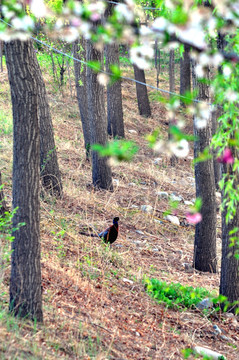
(25, 282)
(205, 256)
(185, 72)
(101, 172)
(142, 93)
(79, 51)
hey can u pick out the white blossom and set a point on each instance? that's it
(193, 35)
(226, 70)
(24, 23)
(123, 13)
(180, 148)
(231, 95)
(217, 59)
(38, 8)
(85, 29)
(200, 123)
(204, 59)
(199, 71)
(103, 79)
(70, 34)
(145, 31)
(140, 55)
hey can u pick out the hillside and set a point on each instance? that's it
(95, 303)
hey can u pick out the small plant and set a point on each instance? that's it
(6, 124)
(59, 237)
(6, 238)
(175, 295)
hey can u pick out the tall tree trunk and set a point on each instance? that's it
(79, 51)
(216, 165)
(142, 93)
(172, 70)
(221, 43)
(157, 61)
(101, 172)
(185, 72)
(115, 119)
(25, 282)
(49, 168)
(205, 256)
(173, 158)
(229, 282)
(114, 96)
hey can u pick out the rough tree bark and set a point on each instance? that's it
(142, 93)
(205, 257)
(172, 71)
(157, 61)
(229, 282)
(49, 168)
(221, 43)
(115, 119)
(79, 51)
(25, 282)
(114, 96)
(101, 172)
(185, 72)
(173, 158)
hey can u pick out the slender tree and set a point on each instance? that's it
(205, 257)
(157, 60)
(49, 168)
(101, 172)
(173, 158)
(79, 52)
(114, 94)
(229, 281)
(185, 71)
(142, 93)
(172, 70)
(221, 43)
(25, 282)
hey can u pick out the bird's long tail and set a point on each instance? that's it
(88, 234)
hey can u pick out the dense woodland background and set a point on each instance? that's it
(94, 298)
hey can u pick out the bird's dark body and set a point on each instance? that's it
(110, 234)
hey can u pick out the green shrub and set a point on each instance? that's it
(175, 295)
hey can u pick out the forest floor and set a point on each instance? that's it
(94, 299)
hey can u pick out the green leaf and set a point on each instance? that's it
(179, 135)
(121, 150)
(94, 65)
(203, 156)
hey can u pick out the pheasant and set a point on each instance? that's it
(110, 234)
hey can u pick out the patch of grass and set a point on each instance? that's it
(6, 125)
(175, 295)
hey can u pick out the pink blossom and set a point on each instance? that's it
(226, 157)
(76, 22)
(193, 218)
(95, 16)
